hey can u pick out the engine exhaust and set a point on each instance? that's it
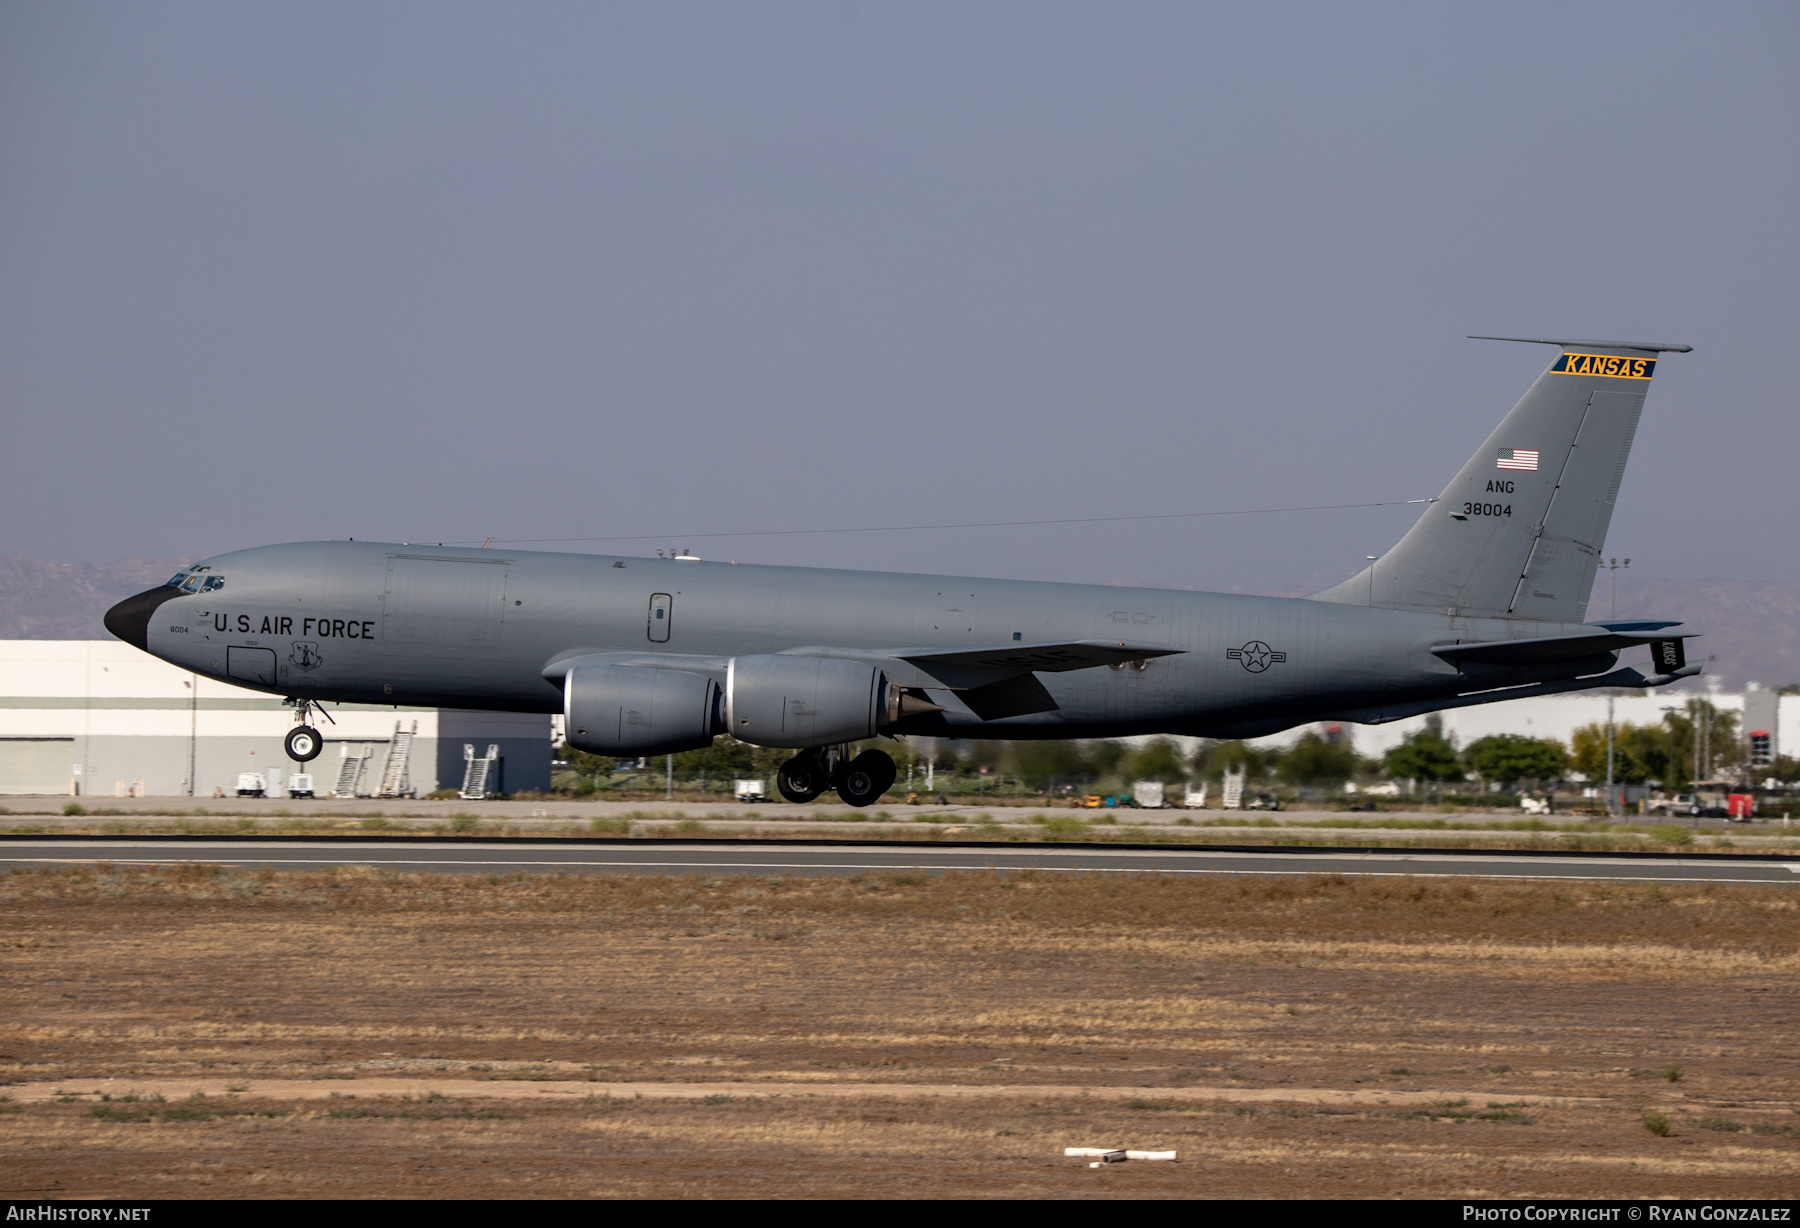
(904, 703)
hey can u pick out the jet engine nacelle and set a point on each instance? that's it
(629, 710)
(803, 701)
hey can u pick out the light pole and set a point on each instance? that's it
(193, 727)
(1612, 565)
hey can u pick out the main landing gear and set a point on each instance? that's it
(860, 781)
(303, 741)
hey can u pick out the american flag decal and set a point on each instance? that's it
(1518, 458)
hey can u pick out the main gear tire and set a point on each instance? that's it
(304, 744)
(866, 777)
(801, 778)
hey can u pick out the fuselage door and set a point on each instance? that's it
(662, 608)
(253, 665)
(444, 600)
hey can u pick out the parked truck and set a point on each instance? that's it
(1711, 799)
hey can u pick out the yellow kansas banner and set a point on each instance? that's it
(1608, 365)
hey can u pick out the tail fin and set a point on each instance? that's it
(1518, 533)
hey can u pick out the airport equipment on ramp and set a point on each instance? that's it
(478, 773)
(350, 770)
(1148, 794)
(395, 778)
(1234, 790)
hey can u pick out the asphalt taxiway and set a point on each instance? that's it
(481, 856)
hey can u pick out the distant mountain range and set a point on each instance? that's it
(1751, 627)
(65, 601)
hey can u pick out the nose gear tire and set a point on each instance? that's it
(304, 744)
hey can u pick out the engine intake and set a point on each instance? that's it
(639, 710)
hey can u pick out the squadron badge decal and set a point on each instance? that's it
(305, 657)
(1256, 656)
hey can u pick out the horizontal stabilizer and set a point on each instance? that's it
(1648, 347)
(1543, 650)
(1627, 677)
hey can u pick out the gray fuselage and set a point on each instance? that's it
(352, 622)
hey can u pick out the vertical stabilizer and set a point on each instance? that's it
(1518, 533)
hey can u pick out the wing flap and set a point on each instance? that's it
(1019, 695)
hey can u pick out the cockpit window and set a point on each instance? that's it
(195, 581)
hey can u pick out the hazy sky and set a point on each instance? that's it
(442, 272)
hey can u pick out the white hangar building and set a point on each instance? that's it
(98, 718)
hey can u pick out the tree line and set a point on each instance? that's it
(1694, 742)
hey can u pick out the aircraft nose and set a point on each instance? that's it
(130, 619)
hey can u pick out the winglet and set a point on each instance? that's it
(1649, 347)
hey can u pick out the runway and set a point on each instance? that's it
(479, 856)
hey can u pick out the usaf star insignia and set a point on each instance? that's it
(1256, 656)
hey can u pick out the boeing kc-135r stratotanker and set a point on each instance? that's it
(1484, 599)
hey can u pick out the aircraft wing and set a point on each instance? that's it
(993, 682)
(957, 669)
(1044, 658)
(697, 663)
(998, 680)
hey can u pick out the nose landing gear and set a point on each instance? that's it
(860, 781)
(303, 742)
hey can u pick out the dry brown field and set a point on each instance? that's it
(190, 1032)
